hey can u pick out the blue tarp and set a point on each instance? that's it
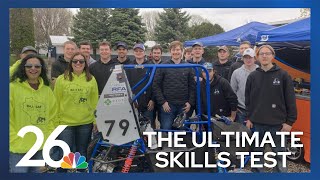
(296, 34)
(233, 37)
(291, 42)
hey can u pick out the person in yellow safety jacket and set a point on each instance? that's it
(25, 51)
(32, 102)
(77, 94)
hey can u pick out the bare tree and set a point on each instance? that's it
(305, 12)
(51, 21)
(197, 20)
(150, 19)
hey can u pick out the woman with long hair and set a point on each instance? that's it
(77, 94)
(32, 102)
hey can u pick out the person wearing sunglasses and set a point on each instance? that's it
(32, 102)
(271, 103)
(77, 94)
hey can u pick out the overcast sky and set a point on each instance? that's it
(230, 18)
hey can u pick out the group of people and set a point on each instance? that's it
(256, 96)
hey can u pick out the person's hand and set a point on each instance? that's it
(195, 79)
(286, 127)
(249, 124)
(150, 105)
(187, 107)
(136, 105)
(94, 128)
(232, 118)
(166, 107)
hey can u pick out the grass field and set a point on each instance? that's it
(13, 59)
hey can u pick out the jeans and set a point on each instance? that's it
(148, 114)
(262, 129)
(78, 139)
(168, 117)
(16, 157)
(241, 117)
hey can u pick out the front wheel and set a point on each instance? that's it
(297, 153)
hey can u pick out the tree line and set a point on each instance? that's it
(33, 26)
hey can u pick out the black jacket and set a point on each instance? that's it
(175, 85)
(102, 72)
(222, 69)
(270, 97)
(202, 61)
(222, 98)
(127, 61)
(134, 76)
(58, 67)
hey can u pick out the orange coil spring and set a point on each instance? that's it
(128, 162)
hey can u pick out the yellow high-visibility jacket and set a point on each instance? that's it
(77, 99)
(30, 107)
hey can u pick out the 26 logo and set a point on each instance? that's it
(66, 162)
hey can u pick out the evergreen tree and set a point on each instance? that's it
(91, 24)
(21, 29)
(126, 26)
(172, 25)
(204, 29)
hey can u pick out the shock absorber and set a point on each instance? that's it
(127, 164)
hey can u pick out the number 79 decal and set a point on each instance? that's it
(123, 124)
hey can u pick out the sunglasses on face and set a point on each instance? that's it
(36, 66)
(78, 61)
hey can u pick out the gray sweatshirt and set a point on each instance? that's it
(238, 84)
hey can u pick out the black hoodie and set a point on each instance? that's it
(134, 76)
(102, 72)
(222, 69)
(127, 61)
(222, 98)
(270, 97)
(58, 67)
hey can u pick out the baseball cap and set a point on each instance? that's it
(123, 44)
(208, 65)
(197, 44)
(139, 45)
(223, 48)
(28, 48)
(249, 52)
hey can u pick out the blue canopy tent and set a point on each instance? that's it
(296, 34)
(233, 37)
(291, 42)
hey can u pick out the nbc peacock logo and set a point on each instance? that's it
(74, 161)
